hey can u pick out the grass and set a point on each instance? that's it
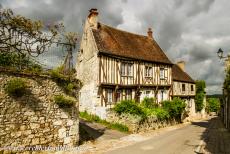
(93, 118)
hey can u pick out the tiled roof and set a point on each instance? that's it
(116, 42)
(179, 75)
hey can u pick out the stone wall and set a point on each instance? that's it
(34, 118)
(136, 124)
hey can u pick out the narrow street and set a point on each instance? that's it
(207, 136)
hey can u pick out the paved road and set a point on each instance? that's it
(199, 137)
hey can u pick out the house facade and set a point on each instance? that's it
(116, 65)
(184, 86)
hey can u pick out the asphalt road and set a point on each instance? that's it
(186, 140)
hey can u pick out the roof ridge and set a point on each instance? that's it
(124, 31)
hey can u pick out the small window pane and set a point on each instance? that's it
(162, 75)
(183, 87)
(129, 94)
(123, 69)
(109, 95)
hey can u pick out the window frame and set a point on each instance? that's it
(162, 73)
(148, 71)
(128, 94)
(126, 69)
(110, 96)
(183, 88)
(192, 88)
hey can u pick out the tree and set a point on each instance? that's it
(200, 94)
(213, 105)
(24, 36)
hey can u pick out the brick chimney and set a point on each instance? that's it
(150, 33)
(181, 64)
(93, 18)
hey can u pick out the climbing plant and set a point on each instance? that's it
(200, 94)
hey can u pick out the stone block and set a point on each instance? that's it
(57, 123)
(62, 133)
(34, 125)
(64, 115)
(67, 140)
(69, 122)
(35, 141)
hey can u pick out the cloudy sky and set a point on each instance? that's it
(189, 30)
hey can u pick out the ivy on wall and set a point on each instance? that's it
(200, 94)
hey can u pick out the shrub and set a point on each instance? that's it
(160, 113)
(149, 102)
(15, 87)
(199, 98)
(56, 73)
(128, 106)
(94, 118)
(174, 107)
(35, 68)
(120, 127)
(64, 101)
(213, 104)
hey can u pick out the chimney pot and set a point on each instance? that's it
(93, 17)
(150, 33)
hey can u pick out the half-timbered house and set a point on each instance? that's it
(183, 86)
(116, 65)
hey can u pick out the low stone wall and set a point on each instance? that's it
(34, 118)
(136, 124)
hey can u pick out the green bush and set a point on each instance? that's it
(64, 101)
(94, 118)
(19, 61)
(175, 107)
(213, 105)
(160, 113)
(149, 102)
(15, 87)
(128, 106)
(199, 98)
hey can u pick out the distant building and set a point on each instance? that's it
(116, 65)
(183, 86)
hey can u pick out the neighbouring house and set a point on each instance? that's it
(184, 86)
(116, 65)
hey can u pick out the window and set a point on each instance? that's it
(109, 95)
(192, 88)
(162, 73)
(148, 71)
(183, 87)
(129, 94)
(129, 70)
(126, 69)
(118, 95)
(162, 95)
(147, 93)
(123, 73)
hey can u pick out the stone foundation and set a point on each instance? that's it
(136, 124)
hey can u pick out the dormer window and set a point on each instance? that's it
(148, 71)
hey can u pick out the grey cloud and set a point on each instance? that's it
(190, 30)
(199, 6)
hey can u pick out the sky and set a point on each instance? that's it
(188, 30)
